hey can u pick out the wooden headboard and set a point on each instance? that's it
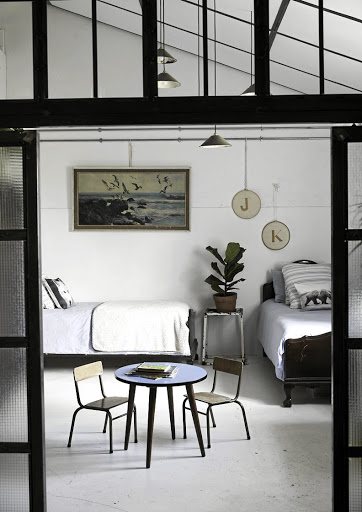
(268, 290)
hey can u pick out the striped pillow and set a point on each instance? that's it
(46, 299)
(58, 292)
(303, 273)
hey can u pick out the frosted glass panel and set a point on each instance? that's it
(354, 397)
(355, 485)
(14, 482)
(354, 186)
(12, 289)
(13, 393)
(355, 289)
(11, 188)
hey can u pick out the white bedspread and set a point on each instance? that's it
(141, 326)
(277, 323)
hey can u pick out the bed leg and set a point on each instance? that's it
(288, 393)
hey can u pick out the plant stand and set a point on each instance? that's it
(212, 312)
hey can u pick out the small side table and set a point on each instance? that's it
(212, 312)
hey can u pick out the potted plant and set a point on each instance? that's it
(224, 298)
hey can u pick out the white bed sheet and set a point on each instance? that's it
(278, 322)
(69, 331)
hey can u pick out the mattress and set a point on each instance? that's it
(69, 331)
(278, 322)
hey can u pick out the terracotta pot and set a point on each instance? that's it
(225, 303)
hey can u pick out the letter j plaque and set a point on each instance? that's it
(275, 235)
(246, 204)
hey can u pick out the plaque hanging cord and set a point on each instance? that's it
(130, 155)
(246, 165)
(275, 199)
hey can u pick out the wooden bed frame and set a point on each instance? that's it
(307, 360)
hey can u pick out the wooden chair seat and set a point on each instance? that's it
(212, 398)
(104, 404)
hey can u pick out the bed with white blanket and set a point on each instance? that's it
(120, 328)
(297, 342)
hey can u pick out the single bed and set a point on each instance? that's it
(127, 328)
(297, 342)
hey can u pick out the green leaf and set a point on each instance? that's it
(234, 282)
(233, 253)
(213, 280)
(232, 270)
(215, 253)
(217, 289)
(216, 268)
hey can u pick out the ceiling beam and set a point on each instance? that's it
(328, 108)
(278, 19)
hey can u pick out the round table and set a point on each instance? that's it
(187, 375)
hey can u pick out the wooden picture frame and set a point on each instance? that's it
(131, 198)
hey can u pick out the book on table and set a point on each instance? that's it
(171, 372)
(153, 367)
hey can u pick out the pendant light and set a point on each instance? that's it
(164, 79)
(215, 141)
(250, 91)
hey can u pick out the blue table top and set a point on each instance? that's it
(187, 374)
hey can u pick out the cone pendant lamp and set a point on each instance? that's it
(164, 79)
(215, 141)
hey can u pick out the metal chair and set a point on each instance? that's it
(88, 371)
(211, 398)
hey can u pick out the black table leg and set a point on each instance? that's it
(151, 418)
(195, 417)
(132, 390)
(171, 411)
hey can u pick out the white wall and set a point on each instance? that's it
(170, 265)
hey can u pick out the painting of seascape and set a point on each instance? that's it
(131, 198)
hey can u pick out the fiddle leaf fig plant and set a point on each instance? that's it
(229, 270)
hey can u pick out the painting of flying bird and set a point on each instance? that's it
(112, 198)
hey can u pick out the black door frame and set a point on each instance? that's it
(32, 341)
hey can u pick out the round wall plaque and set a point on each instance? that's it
(246, 204)
(275, 235)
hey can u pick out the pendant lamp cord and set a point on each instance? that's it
(130, 155)
(246, 165)
(215, 44)
(251, 47)
(198, 48)
(215, 49)
(275, 199)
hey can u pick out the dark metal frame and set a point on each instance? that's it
(32, 341)
(341, 137)
(151, 109)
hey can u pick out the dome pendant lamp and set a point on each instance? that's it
(215, 141)
(164, 79)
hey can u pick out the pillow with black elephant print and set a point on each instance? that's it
(314, 295)
(46, 299)
(59, 293)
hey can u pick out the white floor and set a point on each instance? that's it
(285, 467)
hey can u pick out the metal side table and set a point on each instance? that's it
(212, 312)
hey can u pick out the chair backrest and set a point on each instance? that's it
(86, 371)
(228, 365)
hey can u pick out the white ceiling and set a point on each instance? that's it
(300, 21)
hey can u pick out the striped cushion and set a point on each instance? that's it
(300, 273)
(46, 299)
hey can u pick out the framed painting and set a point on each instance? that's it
(131, 198)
